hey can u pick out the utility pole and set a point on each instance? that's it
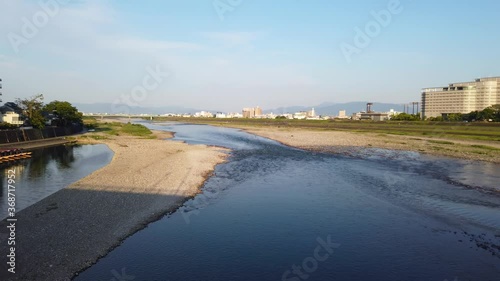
(413, 104)
(0, 89)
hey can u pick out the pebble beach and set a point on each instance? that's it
(70, 230)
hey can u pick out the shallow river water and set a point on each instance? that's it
(277, 213)
(48, 171)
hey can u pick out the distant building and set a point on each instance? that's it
(220, 115)
(300, 115)
(369, 114)
(311, 113)
(356, 116)
(8, 115)
(50, 119)
(205, 114)
(342, 115)
(248, 112)
(285, 115)
(375, 116)
(234, 115)
(271, 116)
(258, 111)
(392, 113)
(251, 112)
(462, 97)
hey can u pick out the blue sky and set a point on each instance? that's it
(266, 53)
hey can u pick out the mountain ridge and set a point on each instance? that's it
(325, 108)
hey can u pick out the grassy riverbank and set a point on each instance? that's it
(450, 130)
(474, 141)
(115, 128)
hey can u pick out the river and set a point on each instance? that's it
(278, 213)
(49, 170)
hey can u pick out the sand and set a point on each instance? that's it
(351, 142)
(70, 230)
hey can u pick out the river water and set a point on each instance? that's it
(277, 213)
(49, 170)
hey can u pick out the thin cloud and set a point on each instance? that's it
(139, 44)
(232, 38)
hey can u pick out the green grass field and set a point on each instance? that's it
(118, 128)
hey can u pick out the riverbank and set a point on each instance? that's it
(350, 143)
(70, 230)
(38, 143)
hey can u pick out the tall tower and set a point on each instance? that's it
(369, 107)
(0, 89)
(258, 111)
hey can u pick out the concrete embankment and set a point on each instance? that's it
(38, 143)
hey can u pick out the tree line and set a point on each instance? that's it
(491, 113)
(38, 114)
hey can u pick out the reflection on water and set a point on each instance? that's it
(396, 216)
(49, 170)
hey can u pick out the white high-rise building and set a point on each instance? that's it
(461, 97)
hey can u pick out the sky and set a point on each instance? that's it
(230, 54)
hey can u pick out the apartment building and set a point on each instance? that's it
(462, 97)
(252, 112)
(8, 115)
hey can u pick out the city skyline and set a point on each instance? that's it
(207, 55)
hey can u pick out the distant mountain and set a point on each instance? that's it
(353, 107)
(121, 108)
(290, 109)
(333, 109)
(326, 108)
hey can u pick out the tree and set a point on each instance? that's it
(472, 116)
(405, 117)
(496, 107)
(454, 117)
(32, 109)
(486, 114)
(65, 112)
(492, 112)
(436, 119)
